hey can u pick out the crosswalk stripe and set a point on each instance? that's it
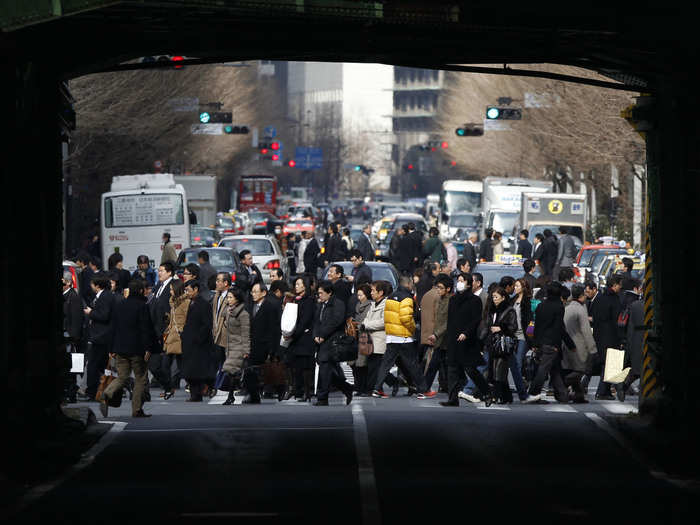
(560, 408)
(619, 408)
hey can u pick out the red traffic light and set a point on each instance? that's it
(275, 157)
(454, 162)
(177, 59)
(410, 166)
(263, 151)
(292, 163)
(275, 146)
(444, 145)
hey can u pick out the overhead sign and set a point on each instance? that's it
(269, 132)
(207, 129)
(184, 104)
(496, 125)
(555, 207)
(308, 158)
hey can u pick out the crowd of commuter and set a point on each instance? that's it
(216, 331)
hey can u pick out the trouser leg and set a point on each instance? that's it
(123, 373)
(374, 361)
(99, 356)
(166, 371)
(516, 368)
(388, 361)
(196, 386)
(299, 384)
(478, 378)
(433, 367)
(338, 378)
(556, 380)
(455, 380)
(442, 371)
(471, 386)
(361, 385)
(409, 355)
(603, 387)
(138, 365)
(155, 366)
(252, 383)
(548, 356)
(308, 378)
(325, 377)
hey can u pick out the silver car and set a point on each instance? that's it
(266, 251)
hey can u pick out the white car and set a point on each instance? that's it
(266, 251)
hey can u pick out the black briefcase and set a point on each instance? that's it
(343, 348)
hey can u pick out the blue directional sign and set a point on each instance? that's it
(269, 132)
(309, 158)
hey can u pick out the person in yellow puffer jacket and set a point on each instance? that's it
(400, 325)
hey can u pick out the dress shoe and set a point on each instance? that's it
(140, 413)
(230, 399)
(348, 396)
(104, 407)
(411, 391)
(395, 389)
(454, 403)
(321, 403)
(250, 401)
(605, 397)
(621, 395)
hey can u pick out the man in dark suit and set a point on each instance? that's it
(364, 243)
(549, 253)
(604, 309)
(470, 250)
(264, 339)
(524, 246)
(206, 270)
(416, 238)
(254, 273)
(529, 269)
(486, 246)
(159, 307)
(72, 330)
(99, 333)
(311, 254)
(342, 289)
(85, 278)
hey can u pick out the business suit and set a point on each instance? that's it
(265, 335)
(365, 247)
(73, 318)
(486, 249)
(100, 335)
(159, 308)
(219, 313)
(311, 257)
(329, 322)
(470, 255)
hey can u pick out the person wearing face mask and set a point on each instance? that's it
(463, 347)
(501, 322)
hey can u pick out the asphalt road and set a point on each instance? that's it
(399, 460)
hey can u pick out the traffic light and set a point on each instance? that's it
(366, 170)
(275, 146)
(292, 163)
(470, 130)
(216, 117)
(275, 156)
(230, 129)
(503, 113)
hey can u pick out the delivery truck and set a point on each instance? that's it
(201, 197)
(542, 211)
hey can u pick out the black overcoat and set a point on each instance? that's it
(265, 330)
(328, 325)
(132, 333)
(197, 342)
(302, 342)
(605, 310)
(100, 330)
(463, 317)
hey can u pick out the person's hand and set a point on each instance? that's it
(87, 310)
(112, 355)
(461, 338)
(147, 356)
(495, 329)
(287, 337)
(431, 339)
(349, 277)
(246, 356)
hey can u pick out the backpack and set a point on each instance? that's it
(623, 318)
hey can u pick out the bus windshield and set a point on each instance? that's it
(152, 209)
(462, 201)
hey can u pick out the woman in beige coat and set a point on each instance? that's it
(238, 337)
(172, 344)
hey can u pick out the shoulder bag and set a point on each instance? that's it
(343, 348)
(365, 346)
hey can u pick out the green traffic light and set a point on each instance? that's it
(228, 129)
(358, 168)
(204, 117)
(493, 113)
(461, 132)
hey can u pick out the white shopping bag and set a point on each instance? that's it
(614, 361)
(77, 363)
(289, 318)
(285, 342)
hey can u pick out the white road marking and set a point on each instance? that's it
(371, 514)
(619, 408)
(241, 429)
(86, 460)
(560, 408)
(492, 408)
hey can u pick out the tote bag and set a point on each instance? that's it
(289, 318)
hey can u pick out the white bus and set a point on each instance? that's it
(137, 211)
(459, 196)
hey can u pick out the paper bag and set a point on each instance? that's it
(77, 363)
(614, 361)
(289, 318)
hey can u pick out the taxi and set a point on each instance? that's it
(587, 253)
(298, 225)
(613, 264)
(505, 264)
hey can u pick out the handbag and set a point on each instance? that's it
(289, 318)
(350, 328)
(530, 329)
(274, 373)
(343, 348)
(224, 381)
(106, 379)
(365, 346)
(504, 346)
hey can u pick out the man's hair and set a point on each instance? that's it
(100, 280)
(204, 255)
(95, 261)
(326, 286)
(488, 232)
(547, 232)
(473, 235)
(565, 274)
(263, 287)
(227, 278)
(406, 281)
(243, 253)
(577, 291)
(338, 269)
(364, 227)
(83, 257)
(554, 290)
(166, 235)
(468, 278)
(192, 283)
(462, 261)
(528, 265)
(411, 225)
(445, 281)
(142, 259)
(591, 284)
(356, 253)
(615, 279)
(114, 259)
(539, 236)
(193, 269)
(383, 286)
(631, 284)
(476, 276)
(629, 263)
(506, 281)
(169, 267)
(278, 272)
(433, 232)
(136, 287)
(563, 229)
(565, 293)
(525, 233)
(282, 286)
(405, 228)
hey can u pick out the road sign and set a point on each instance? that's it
(269, 132)
(207, 129)
(309, 158)
(184, 104)
(496, 125)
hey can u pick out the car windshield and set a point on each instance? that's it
(493, 274)
(505, 223)
(380, 272)
(225, 221)
(203, 232)
(588, 255)
(217, 258)
(256, 246)
(464, 221)
(598, 262)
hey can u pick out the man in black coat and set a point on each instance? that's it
(524, 246)
(548, 259)
(254, 273)
(132, 342)
(360, 271)
(605, 309)
(85, 278)
(462, 341)
(416, 238)
(470, 250)
(486, 246)
(72, 331)
(364, 243)
(329, 322)
(342, 289)
(197, 343)
(311, 254)
(159, 308)
(550, 331)
(99, 333)
(206, 270)
(405, 252)
(264, 339)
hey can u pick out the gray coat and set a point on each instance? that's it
(238, 340)
(566, 252)
(579, 328)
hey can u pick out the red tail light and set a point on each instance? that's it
(263, 223)
(233, 277)
(272, 265)
(197, 238)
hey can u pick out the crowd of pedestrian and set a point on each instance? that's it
(282, 340)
